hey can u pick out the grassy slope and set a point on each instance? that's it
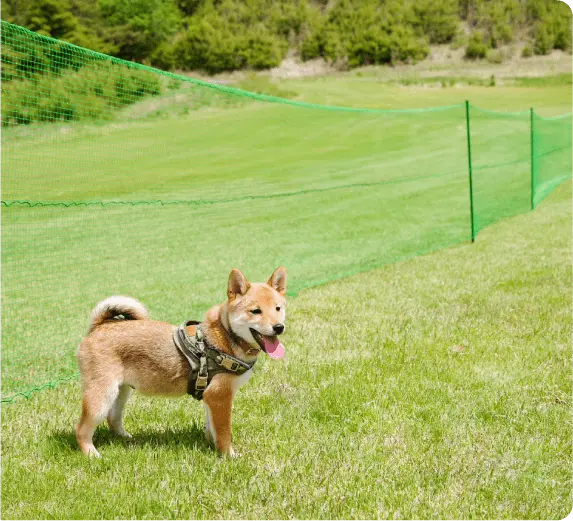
(435, 388)
(373, 92)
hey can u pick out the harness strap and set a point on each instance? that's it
(197, 352)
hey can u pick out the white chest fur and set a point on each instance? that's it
(241, 380)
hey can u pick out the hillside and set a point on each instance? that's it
(225, 35)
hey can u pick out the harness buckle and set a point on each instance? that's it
(201, 383)
(229, 364)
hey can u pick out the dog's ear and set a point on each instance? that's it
(238, 284)
(278, 280)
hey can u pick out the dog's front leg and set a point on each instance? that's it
(218, 400)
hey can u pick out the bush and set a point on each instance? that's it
(221, 35)
(164, 57)
(363, 35)
(476, 48)
(494, 56)
(258, 49)
(438, 21)
(527, 52)
(561, 27)
(214, 44)
(208, 44)
(543, 42)
(313, 38)
(93, 92)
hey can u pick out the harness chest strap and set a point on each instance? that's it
(205, 361)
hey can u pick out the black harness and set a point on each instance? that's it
(205, 361)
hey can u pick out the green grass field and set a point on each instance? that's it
(433, 387)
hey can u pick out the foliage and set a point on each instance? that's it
(494, 56)
(94, 92)
(476, 48)
(549, 23)
(543, 40)
(137, 26)
(62, 83)
(221, 35)
(364, 34)
(76, 21)
(438, 21)
(527, 51)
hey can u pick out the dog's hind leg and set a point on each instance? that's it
(98, 400)
(115, 415)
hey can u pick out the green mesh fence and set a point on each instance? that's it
(551, 154)
(121, 179)
(501, 159)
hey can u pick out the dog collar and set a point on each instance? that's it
(205, 360)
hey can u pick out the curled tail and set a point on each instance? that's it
(113, 307)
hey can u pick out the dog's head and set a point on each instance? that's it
(256, 311)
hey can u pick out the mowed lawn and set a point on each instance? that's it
(438, 387)
(432, 387)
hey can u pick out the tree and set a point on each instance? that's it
(52, 18)
(137, 27)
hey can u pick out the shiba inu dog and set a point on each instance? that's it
(126, 350)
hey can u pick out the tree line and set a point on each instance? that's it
(224, 35)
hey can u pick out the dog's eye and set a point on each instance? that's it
(278, 308)
(256, 311)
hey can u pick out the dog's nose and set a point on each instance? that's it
(278, 328)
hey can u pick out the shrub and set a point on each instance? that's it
(406, 47)
(208, 44)
(93, 92)
(214, 44)
(561, 27)
(219, 35)
(476, 48)
(164, 57)
(313, 38)
(312, 46)
(527, 51)
(361, 35)
(543, 42)
(258, 49)
(494, 56)
(438, 21)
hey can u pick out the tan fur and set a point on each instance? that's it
(118, 355)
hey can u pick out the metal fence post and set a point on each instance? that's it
(532, 139)
(470, 170)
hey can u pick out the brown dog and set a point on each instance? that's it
(118, 355)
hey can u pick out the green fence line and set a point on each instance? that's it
(498, 165)
(32, 390)
(135, 208)
(8, 27)
(202, 202)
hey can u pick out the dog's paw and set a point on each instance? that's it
(123, 433)
(92, 452)
(233, 453)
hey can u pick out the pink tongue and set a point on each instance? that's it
(274, 348)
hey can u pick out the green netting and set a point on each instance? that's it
(121, 179)
(500, 145)
(551, 154)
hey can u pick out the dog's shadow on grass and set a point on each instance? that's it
(192, 436)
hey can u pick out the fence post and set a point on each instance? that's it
(532, 140)
(470, 170)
